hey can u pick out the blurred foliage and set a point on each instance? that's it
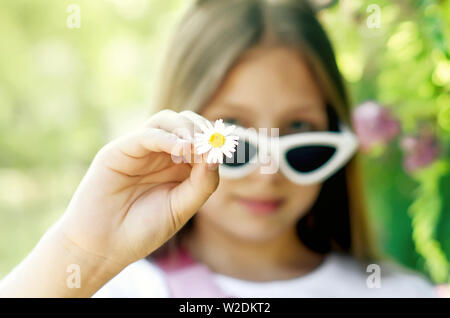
(65, 92)
(405, 66)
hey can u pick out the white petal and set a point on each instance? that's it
(228, 153)
(218, 155)
(229, 129)
(231, 144)
(227, 150)
(219, 125)
(232, 140)
(210, 157)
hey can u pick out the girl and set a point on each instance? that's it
(141, 225)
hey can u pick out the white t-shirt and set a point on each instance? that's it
(337, 276)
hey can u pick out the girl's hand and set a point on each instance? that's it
(134, 197)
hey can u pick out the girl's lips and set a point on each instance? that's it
(260, 206)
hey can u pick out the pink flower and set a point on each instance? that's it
(374, 125)
(420, 150)
(443, 290)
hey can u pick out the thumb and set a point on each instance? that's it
(193, 192)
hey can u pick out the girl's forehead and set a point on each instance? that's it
(258, 110)
(273, 71)
(275, 79)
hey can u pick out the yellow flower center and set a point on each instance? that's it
(217, 140)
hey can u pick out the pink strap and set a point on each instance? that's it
(188, 279)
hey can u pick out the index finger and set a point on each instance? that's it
(200, 121)
(173, 122)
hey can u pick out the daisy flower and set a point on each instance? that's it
(217, 140)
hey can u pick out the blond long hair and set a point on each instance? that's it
(210, 38)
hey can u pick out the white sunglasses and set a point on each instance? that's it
(306, 157)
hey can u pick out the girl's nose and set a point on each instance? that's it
(268, 176)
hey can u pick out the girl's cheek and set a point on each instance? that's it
(305, 196)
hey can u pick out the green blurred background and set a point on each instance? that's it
(65, 92)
